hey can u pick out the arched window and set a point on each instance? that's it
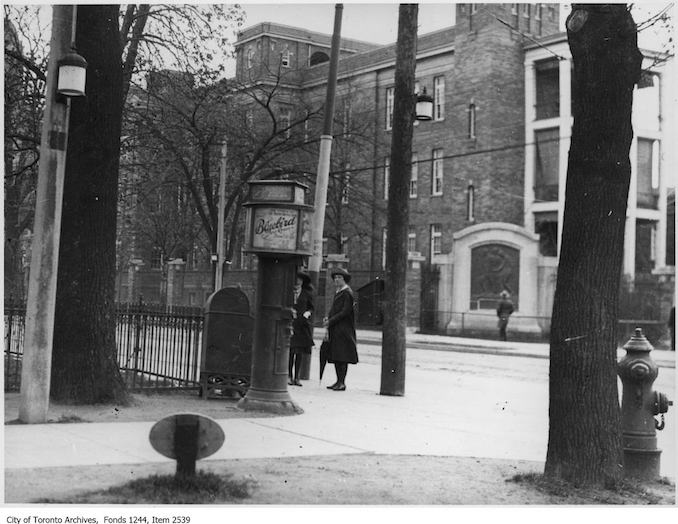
(318, 58)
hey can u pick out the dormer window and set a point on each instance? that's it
(318, 58)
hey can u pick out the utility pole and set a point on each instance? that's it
(219, 274)
(395, 315)
(41, 300)
(315, 261)
(320, 202)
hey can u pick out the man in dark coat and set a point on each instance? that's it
(302, 332)
(504, 310)
(340, 324)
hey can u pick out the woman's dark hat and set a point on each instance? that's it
(341, 271)
(305, 278)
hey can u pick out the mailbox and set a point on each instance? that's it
(279, 222)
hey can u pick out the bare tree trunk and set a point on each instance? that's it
(395, 313)
(584, 444)
(84, 364)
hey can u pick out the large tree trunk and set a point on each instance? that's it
(395, 314)
(584, 444)
(84, 365)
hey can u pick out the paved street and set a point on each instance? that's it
(456, 404)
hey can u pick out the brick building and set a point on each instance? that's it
(488, 172)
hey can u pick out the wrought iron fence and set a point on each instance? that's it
(15, 315)
(158, 347)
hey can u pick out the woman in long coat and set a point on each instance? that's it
(302, 333)
(340, 324)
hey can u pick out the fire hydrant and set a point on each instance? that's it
(640, 404)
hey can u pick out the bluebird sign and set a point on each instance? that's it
(278, 220)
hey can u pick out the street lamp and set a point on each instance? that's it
(72, 75)
(424, 107)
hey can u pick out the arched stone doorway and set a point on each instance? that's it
(485, 259)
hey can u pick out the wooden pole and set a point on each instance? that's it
(395, 293)
(41, 300)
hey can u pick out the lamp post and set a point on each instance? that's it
(41, 299)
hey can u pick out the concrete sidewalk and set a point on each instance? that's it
(663, 358)
(455, 405)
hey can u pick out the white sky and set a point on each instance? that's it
(377, 22)
(371, 22)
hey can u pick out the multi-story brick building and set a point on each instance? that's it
(488, 176)
(488, 171)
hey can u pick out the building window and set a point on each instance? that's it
(285, 58)
(647, 173)
(436, 239)
(387, 176)
(318, 58)
(343, 248)
(526, 10)
(194, 257)
(546, 227)
(417, 87)
(389, 107)
(472, 120)
(384, 236)
(514, 9)
(346, 184)
(645, 246)
(474, 9)
(306, 126)
(546, 163)
(470, 202)
(548, 88)
(250, 57)
(414, 175)
(439, 98)
(346, 118)
(411, 240)
(437, 173)
(285, 118)
(325, 244)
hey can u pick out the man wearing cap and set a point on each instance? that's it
(340, 324)
(504, 310)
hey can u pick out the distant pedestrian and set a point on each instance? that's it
(672, 327)
(340, 324)
(301, 341)
(504, 310)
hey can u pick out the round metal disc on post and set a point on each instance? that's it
(209, 436)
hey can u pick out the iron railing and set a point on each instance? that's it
(466, 324)
(15, 316)
(157, 347)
